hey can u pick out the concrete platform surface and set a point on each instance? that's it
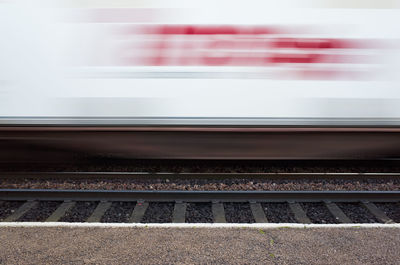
(73, 245)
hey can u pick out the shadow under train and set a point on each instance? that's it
(39, 143)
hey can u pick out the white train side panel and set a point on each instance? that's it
(185, 62)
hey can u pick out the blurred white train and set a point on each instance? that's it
(255, 67)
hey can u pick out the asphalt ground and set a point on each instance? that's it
(99, 245)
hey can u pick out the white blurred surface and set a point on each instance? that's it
(66, 59)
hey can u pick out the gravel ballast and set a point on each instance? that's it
(318, 213)
(236, 212)
(40, 212)
(200, 212)
(392, 210)
(119, 212)
(357, 213)
(203, 184)
(8, 207)
(80, 212)
(158, 212)
(278, 213)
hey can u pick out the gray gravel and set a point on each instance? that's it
(80, 212)
(119, 212)
(278, 213)
(200, 212)
(357, 213)
(199, 246)
(158, 212)
(392, 210)
(236, 212)
(318, 213)
(8, 207)
(41, 212)
(203, 184)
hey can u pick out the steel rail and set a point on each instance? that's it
(204, 175)
(198, 196)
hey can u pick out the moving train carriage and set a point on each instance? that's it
(184, 79)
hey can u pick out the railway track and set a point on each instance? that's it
(200, 206)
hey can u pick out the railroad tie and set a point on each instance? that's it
(218, 212)
(24, 208)
(337, 213)
(179, 212)
(378, 213)
(299, 213)
(258, 212)
(60, 211)
(138, 212)
(100, 210)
